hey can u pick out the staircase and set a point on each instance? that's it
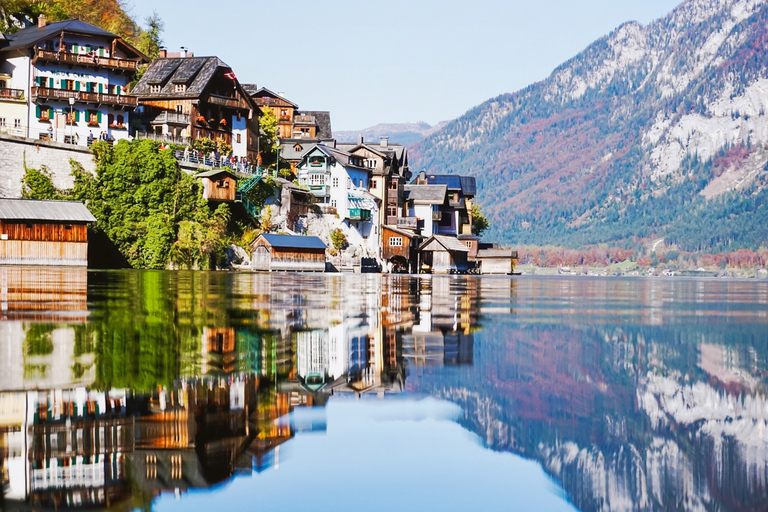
(242, 189)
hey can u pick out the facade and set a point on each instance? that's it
(44, 232)
(443, 255)
(292, 203)
(218, 185)
(184, 99)
(496, 261)
(67, 81)
(282, 108)
(288, 252)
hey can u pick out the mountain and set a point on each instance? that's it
(654, 131)
(398, 133)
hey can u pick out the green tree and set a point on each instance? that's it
(479, 221)
(268, 137)
(338, 239)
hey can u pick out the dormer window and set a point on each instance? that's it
(316, 161)
(180, 88)
(154, 89)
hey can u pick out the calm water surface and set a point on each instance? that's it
(199, 391)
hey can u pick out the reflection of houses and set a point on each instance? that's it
(44, 232)
(190, 98)
(288, 252)
(76, 78)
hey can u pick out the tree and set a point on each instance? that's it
(479, 221)
(338, 239)
(268, 137)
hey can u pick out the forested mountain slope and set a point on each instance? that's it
(652, 131)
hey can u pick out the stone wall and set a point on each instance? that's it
(54, 155)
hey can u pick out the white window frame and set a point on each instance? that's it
(395, 241)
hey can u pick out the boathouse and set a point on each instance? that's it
(444, 255)
(36, 232)
(288, 252)
(218, 185)
(496, 261)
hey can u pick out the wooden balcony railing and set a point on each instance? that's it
(223, 101)
(86, 60)
(392, 193)
(83, 96)
(171, 118)
(11, 94)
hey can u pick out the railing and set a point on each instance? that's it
(84, 96)
(392, 193)
(171, 118)
(11, 94)
(403, 222)
(86, 60)
(359, 214)
(170, 139)
(224, 101)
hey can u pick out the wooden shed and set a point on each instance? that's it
(36, 232)
(218, 185)
(444, 255)
(288, 252)
(496, 261)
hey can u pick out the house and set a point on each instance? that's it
(312, 125)
(496, 261)
(218, 185)
(288, 252)
(443, 255)
(292, 203)
(66, 80)
(44, 232)
(282, 108)
(184, 99)
(399, 248)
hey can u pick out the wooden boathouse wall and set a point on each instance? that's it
(43, 243)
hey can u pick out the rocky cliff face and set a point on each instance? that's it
(652, 131)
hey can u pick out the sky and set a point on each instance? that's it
(397, 61)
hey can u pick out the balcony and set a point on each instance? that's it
(11, 94)
(223, 101)
(404, 222)
(437, 216)
(46, 93)
(320, 190)
(359, 214)
(171, 118)
(392, 193)
(85, 60)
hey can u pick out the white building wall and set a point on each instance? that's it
(424, 212)
(239, 149)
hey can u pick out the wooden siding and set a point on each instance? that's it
(269, 258)
(27, 252)
(44, 293)
(222, 189)
(388, 251)
(44, 232)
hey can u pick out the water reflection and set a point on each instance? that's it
(117, 387)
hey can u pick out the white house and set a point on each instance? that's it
(66, 80)
(339, 181)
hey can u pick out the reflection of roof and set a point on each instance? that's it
(293, 241)
(448, 242)
(429, 194)
(29, 209)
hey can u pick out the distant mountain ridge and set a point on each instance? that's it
(652, 131)
(398, 133)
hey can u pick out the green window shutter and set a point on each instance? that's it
(50, 113)
(75, 48)
(98, 117)
(101, 88)
(63, 84)
(38, 112)
(50, 82)
(77, 85)
(77, 116)
(87, 49)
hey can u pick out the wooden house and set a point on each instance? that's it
(44, 232)
(189, 98)
(444, 255)
(496, 261)
(218, 185)
(288, 252)
(282, 108)
(399, 248)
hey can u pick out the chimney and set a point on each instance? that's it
(360, 138)
(421, 179)
(41, 21)
(281, 94)
(183, 52)
(163, 52)
(383, 142)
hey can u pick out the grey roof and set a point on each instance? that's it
(195, 72)
(466, 184)
(322, 120)
(251, 89)
(30, 209)
(215, 172)
(340, 156)
(495, 253)
(294, 241)
(263, 91)
(429, 194)
(450, 243)
(288, 149)
(31, 35)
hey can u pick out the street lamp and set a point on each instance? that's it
(71, 120)
(277, 156)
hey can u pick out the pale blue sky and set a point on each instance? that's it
(395, 60)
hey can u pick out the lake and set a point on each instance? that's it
(185, 391)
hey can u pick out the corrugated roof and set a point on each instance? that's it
(429, 194)
(30, 209)
(294, 241)
(450, 243)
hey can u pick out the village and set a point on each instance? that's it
(338, 205)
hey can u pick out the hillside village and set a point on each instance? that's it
(354, 205)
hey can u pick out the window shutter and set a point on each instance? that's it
(98, 117)
(77, 116)
(101, 88)
(75, 48)
(63, 84)
(50, 82)
(38, 112)
(77, 85)
(50, 113)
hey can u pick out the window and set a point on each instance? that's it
(333, 203)
(154, 89)
(239, 116)
(94, 118)
(335, 182)
(3, 84)
(395, 241)
(392, 185)
(2, 122)
(469, 244)
(349, 182)
(317, 179)
(180, 88)
(179, 109)
(16, 123)
(391, 211)
(374, 184)
(238, 139)
(222, 183)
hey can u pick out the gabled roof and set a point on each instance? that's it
(266, 93)
(465, 184)
(195, 72)
(215, 172)
(322, 119)
(342, 157)
(30, 36)
(30, 209)
(292, 241)
(425, 194)
(448, 242)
